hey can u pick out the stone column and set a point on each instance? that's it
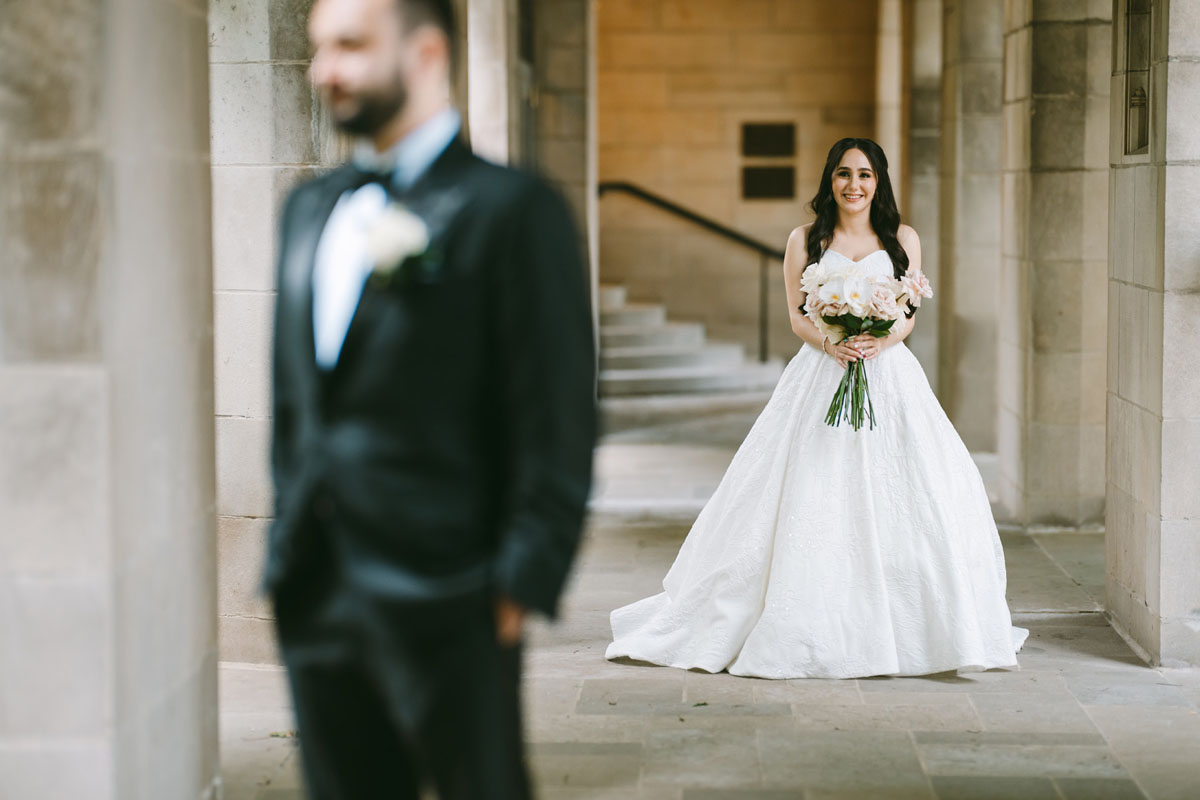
(591, 185)
(889, 91)
(563, 60)
(1053, 298)
(268, 133)
(491, 65)
(924, 162)
(973, 50)
(461, 88)
(107, 590)
(1153, 510)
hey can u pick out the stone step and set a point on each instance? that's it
(613, 297)
(633, 314)
(675, 380)
(655, 357)
(671, 334)
(621, 414)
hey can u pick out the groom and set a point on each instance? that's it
(433, 428)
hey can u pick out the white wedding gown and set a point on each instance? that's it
(831, 553)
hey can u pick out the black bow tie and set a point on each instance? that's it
(361, 177)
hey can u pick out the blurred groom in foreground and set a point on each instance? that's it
(434, 423)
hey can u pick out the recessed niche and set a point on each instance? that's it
(1137, 77)
(769, 139)
(768, 183)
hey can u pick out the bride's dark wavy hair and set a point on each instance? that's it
(885, 216)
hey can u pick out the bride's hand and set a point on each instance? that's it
(843, 353)
(867, 346)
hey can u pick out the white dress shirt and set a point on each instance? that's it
(342, 264)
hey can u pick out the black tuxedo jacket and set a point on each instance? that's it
(451, 447)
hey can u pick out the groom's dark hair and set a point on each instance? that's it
(438, 13)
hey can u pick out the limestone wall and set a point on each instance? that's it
(561, 61)
(677, 78)
(107, 563)
(1153, 514)
(1050, 371)
(969, 277)
(920, 207)
(267, 134)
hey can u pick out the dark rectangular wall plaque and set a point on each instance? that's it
(768, 183)
(772, 140)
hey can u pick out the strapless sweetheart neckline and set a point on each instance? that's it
(853, 261)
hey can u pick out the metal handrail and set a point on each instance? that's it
(764, 250)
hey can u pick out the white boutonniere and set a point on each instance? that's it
(398, 238)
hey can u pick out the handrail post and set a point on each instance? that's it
(764, 288)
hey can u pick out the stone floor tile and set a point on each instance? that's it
(729, 725)
(1037, 659)
(944, 699)
(994, 788)
(742, 794)
(251, 686)
(1061, 619)
(1031, 713)
(814, 690)
(1001, 739)
(696, 757)
(596, 793)
(608, 765)
(1080, 555)
(1018, 755)
(972, 682)
(1098, 789)
(659, 695)
(254, 750)
(722, 688)
(1047, 593)
(890, 717)
(583, 728)
(1075, 640)
(1146, 689)
(282, 794)
(1188, 681)
(1026, 560)
(870, 793)
(550, 695)
(1165, 777)
(838, 761)
(1156, 729)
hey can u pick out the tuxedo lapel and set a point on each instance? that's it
(436, 198)
(302, 256)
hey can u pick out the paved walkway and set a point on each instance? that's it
(1082, 718)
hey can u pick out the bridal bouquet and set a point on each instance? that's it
(844, 303)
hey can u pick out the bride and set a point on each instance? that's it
(828, 552)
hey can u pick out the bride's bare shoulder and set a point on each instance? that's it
(799, 236)
(906, 234)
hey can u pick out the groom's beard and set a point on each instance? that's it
(375, 110)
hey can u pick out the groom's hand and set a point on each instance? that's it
(510, 621)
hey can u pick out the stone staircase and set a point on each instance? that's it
(642, 353)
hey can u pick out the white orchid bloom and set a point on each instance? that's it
(858, 294)
(833, 292)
